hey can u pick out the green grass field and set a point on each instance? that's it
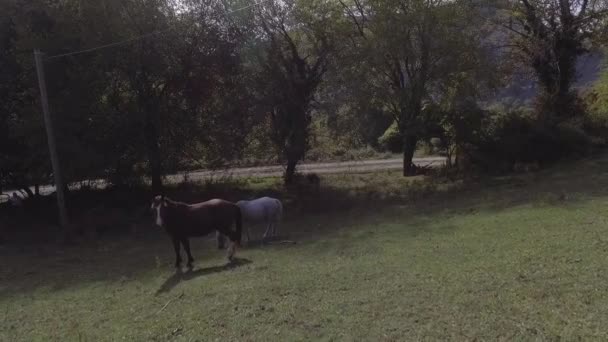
(515, 258)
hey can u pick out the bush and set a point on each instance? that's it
(596, 100)
(391, 139)
(516, 138)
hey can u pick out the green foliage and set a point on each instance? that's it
(549, 36)
(296, 58)
(260, 148)
(597, 101)
(516, 137)
(406, 52)
(278, 81)
(327, 144)
(391, 140)
(156, 105)
(23, 154)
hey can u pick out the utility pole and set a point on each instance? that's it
(50, 134)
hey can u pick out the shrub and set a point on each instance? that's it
(517, 138)
(391, 139)
(596, 100)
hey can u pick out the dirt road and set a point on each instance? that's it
(277, 170)
(319, 168)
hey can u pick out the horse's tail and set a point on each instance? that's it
(239, 224)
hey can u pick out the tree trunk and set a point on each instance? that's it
(291, 170)
(154, 159)
(409, 147)
(155, 168)
(448, 160)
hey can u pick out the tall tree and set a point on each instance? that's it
(550, 35)
(180, 82)
(11, 90)
(412, 47)
(298, 46)
(168, 97)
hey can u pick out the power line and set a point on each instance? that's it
(107, 45)
(143, 36)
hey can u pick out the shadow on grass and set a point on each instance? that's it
(180, 276)
(343, 203)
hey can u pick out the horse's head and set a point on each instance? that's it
(159, 204)
(157, 201)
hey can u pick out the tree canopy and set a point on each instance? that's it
(147, 88)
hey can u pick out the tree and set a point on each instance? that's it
(598, 98)
(298, 47)
(165, 101)
(10, 88)
(549, 36)
(23, 153)
(412, 46)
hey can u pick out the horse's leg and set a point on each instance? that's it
(267, 220)
(277, 216)
(271, 225)
(231, 250)
(220, 239)
(246, 232)
(233, 240)
(186, 244)
(178, 258)
(268, 230)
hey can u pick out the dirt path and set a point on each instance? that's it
(320, 168)
(277, 171)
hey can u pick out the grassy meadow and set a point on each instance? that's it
(377, 257)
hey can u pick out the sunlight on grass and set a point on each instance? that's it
(513, 260)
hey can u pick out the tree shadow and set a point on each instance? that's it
(345, 204)
(190, 274)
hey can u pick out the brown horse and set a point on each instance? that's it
(182, 221)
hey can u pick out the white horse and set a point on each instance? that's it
(266, 210)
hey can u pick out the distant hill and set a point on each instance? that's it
(524, 89)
